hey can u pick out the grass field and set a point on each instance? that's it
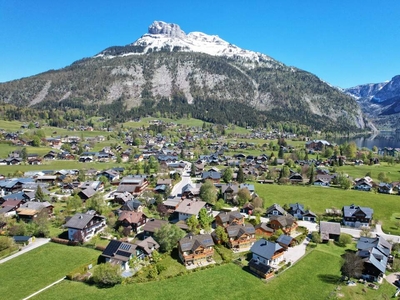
(38, 268)
(316, 276)
(317, 199)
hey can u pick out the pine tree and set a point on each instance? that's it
(240, 175)
(39, 195)
(311, 181)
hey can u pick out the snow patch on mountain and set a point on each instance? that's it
(163, 36)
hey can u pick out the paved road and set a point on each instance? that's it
(185, 179)
(37, 243)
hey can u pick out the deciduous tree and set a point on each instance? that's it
(168, 236)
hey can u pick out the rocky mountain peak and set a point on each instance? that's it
(168, 29)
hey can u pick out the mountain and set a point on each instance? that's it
(169, 72)
(380, 102)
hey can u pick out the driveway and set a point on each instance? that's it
(293, 254)
(37, 243)
(393, 277)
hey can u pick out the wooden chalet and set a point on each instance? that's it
(194, 250)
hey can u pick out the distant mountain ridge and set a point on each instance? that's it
(174, 73)
(380, 101)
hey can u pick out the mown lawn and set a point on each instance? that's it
(37, 268)
(316, 276)
(317, 199)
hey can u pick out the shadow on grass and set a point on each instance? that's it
(329, 278)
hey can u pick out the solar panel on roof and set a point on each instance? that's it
(125, 247)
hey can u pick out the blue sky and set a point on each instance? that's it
(345, 44)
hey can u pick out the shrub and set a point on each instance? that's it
(107, 275)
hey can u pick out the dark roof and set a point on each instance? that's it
(132, 205)
(80, 220)
(264, 227)
(296, 206)
(349, 211)
(119, 250)
(191, 243)
(236, 231)
(148, 245)
(287, 220)
(275, 207)
(265, 248)
(153, 224)
(284, 239)
(230, 216)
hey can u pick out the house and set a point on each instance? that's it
(172, 203)
(83, 226)
(309, 216)
(191, 190)
(189, 207)
(229, 191)
(240, 237)
(31, 210)
(196, 249)
(321, 182)
(212, 175)
(363, 184)
(247, 208)
(119, 253)
(133, 185)
(111, 175)
(9, 207)
(133, 205)
(317, 145)
(297, 210)
(122, 197)
(375, 252)
(275, 210)
(151, 226)
(131, 220)
(264, 229)
(286, 223)
(166, 182)
(285, 241)
(329, 231)
(146, 247)
(226, 219)
(296, 178)
(356, 216)
(265, 256)
(385, 188)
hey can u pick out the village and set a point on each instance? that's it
(162, 198)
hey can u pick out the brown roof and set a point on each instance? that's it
(287, 220)
(190, 207)
(153, 224)
(131, 216)
(263, 226)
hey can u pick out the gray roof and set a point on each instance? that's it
(265, 248)
(349, 211)
(230, 216)
(329, 227)
(284, 239)
(119, 250)
(80, 220)
(153, 224)
(236, 231)
(295, 206)
(148, 245)
(275, 207)
(264, 226)
(191, 243)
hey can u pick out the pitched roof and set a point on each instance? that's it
(153, 224)
(285, 221)
(265, 248)
(284, 239)
(190, 207)
(236, 231)
(296, 206)
(148, 245)
(80, 220)
(230, 216)
(327, 228)
(264, 226)
(275, 207)
(131, 216)
(349, 211)
(119, 250)
(191, 243)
